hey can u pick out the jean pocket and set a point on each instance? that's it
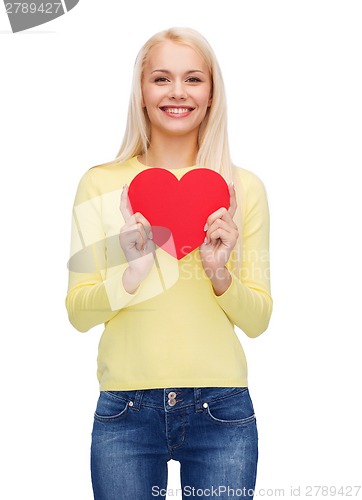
(236, 409)
(110, 408)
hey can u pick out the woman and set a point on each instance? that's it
(171, 369)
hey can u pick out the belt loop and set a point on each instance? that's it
(197, 396)
(137, 399)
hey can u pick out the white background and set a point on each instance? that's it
(292, 71)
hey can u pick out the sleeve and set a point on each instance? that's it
(248, 302)
(93, 297)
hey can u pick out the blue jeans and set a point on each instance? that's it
(211, 431)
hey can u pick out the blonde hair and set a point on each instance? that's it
(213, 138)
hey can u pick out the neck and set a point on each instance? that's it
(170, 152)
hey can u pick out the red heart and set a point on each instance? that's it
(178, 208)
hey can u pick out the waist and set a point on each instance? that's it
(174, 397)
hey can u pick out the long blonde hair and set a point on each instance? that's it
(212, 139)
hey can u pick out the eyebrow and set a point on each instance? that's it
(168, 72)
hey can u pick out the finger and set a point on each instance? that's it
(233, 201)
(137, 235)
(142, 239)
(221, 230)
(215, 215)
(144, 229)
(220, 214)
(137, 217)
(228, 226)
(140, 235)
(223, 239)
(218, 236)
(125, 205)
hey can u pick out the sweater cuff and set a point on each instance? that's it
(231, 293)
(117, 295)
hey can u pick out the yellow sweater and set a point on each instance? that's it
(173, 331)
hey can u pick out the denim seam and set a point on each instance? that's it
(243, 421)
(207, 400)
(111, 418)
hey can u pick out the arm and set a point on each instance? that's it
(94, 296)
(243, 291)
(247, 301)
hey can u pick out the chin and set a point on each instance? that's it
(180, 131)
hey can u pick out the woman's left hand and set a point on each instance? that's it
(221, 234)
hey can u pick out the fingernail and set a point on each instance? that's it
(150, 235)
(205, 240)
(206, 227)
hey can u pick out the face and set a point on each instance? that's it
(176, 89)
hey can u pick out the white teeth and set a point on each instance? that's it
(176, 111)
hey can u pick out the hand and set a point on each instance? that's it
(220, 239)
(136, 242)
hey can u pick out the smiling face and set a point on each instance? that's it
(176, 89)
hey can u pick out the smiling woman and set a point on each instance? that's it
(176, 97)
(171, 368)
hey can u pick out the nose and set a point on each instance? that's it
(177, 91)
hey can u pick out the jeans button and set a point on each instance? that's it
(172, 402)
(172, 395)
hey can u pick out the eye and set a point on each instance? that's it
(161, 79)
(193, 79)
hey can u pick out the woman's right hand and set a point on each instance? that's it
(136, 242)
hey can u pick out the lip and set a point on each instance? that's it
(187, 111)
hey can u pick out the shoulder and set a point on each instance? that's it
(250, 190)
(103, 178)
(248, 180)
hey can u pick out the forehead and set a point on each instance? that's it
(174, 56)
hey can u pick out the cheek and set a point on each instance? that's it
(205, 99)
(146, 97)
(150, 97)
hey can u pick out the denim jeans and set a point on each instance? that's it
(211, 431)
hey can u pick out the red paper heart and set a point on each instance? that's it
(178, 208)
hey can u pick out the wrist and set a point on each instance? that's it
(130, 280)
(221, 280)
